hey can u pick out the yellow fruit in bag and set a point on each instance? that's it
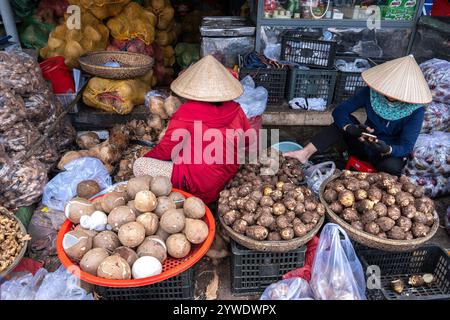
(165, 18)
(93, 36)
(118, 96)
(102, 9)
(133, 22)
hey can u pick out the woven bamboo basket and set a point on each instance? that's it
(271, 246)
(4, 273)
(133, 65)
(371, 240)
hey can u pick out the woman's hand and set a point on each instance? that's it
(356, 130)
(380, 146)
(300, 155)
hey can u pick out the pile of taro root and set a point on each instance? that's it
(381, 204)
(27, 109)
(264, 202)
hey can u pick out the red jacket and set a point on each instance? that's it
(197, 177)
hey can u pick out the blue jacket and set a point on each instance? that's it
(401, 134)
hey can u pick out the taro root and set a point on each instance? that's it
(430, 219)
(230, 217)
(266, 219)
(398, 286)
(372, 227)
(256, 195)
(373, 178)
(347, 174)
(288, 187)
(424, 204)
(374, 194)
(416, 280)
(396, 233)
(310, 205)
(364, 205)
(320, 209)
(364, 185)
(380, 209)
(409, 187)
(404, 199)
(388, 199)
(394, 189)
(385, 223)
(300, 208)
(404, 223)
(369, 216)
(240, 226)
(279, 209)
(266, 201)
(360, 194)
(409, 235)
(250, 205)
(290, 203)
(409, 211)
(300, 229)
(339, 187)
(346, 198)
(282, 222)
(420, 230)
(257, 232)
(382, 235)
(274, 236)
(244, 190)
(418, 192)
(277, 195)
(358, 225)
(310, 217)
(352, 184)
(290, 215)
(249, 218)
(330, 195)
(222, 209)
(336, 207)
(350, 215)
(287, 233)
(394, 212)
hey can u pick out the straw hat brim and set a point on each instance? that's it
(400, 79)
(207, 80)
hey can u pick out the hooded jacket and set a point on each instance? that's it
(200, 160)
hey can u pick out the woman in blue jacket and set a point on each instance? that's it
(393, 101)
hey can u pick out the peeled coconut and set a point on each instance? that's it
(162, 234)
(177, 198)
(119, 216)
(178, 245)
(113, 200)
(172, 221)
(145, 201)
(114, 267)
(164, 204)
(76, 243)
(150, 222)
(161, 186)
(78, 207)
(127, 253)
(194, 208)
(196, 231)
(131, 234)
(92, 259)
(96, 221)
(87, 189)
(90, 233)
(138, 184)
(153, 246)
(107, 240)
(145, 267)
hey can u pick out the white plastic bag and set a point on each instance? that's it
(63, 186)
(315, 175)
(58, 285)
(254, 100)
(289, 289)
(337, 273)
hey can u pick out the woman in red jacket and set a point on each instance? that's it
(199, 149)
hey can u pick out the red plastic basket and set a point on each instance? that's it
(171, 266)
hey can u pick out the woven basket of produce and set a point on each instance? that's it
(13, 241)
(116, 65)
(263, 208)
(379, 210)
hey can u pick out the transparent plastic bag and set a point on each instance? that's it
(315, 175)
(44, 285)
(290, 289)
(337, 273)
(437, 75)
(254, 100)
(63, 187)
(436, 118)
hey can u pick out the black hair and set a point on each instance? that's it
(217, 104)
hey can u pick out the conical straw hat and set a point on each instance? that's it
(400, 79)
(207, 80)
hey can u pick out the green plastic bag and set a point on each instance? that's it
(187, 54)
(34, 33)
(23, 8)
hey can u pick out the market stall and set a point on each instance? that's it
(79, 114)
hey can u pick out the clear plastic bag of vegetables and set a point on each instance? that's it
(289, 289)
(337, 273)
(437, 117)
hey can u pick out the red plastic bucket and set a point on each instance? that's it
(55, 70)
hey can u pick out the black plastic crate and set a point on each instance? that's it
(307, 51)
(348, 83)
(180, 287)
(274, 80)
(401, 265)
(253, 271)
(312, 83)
